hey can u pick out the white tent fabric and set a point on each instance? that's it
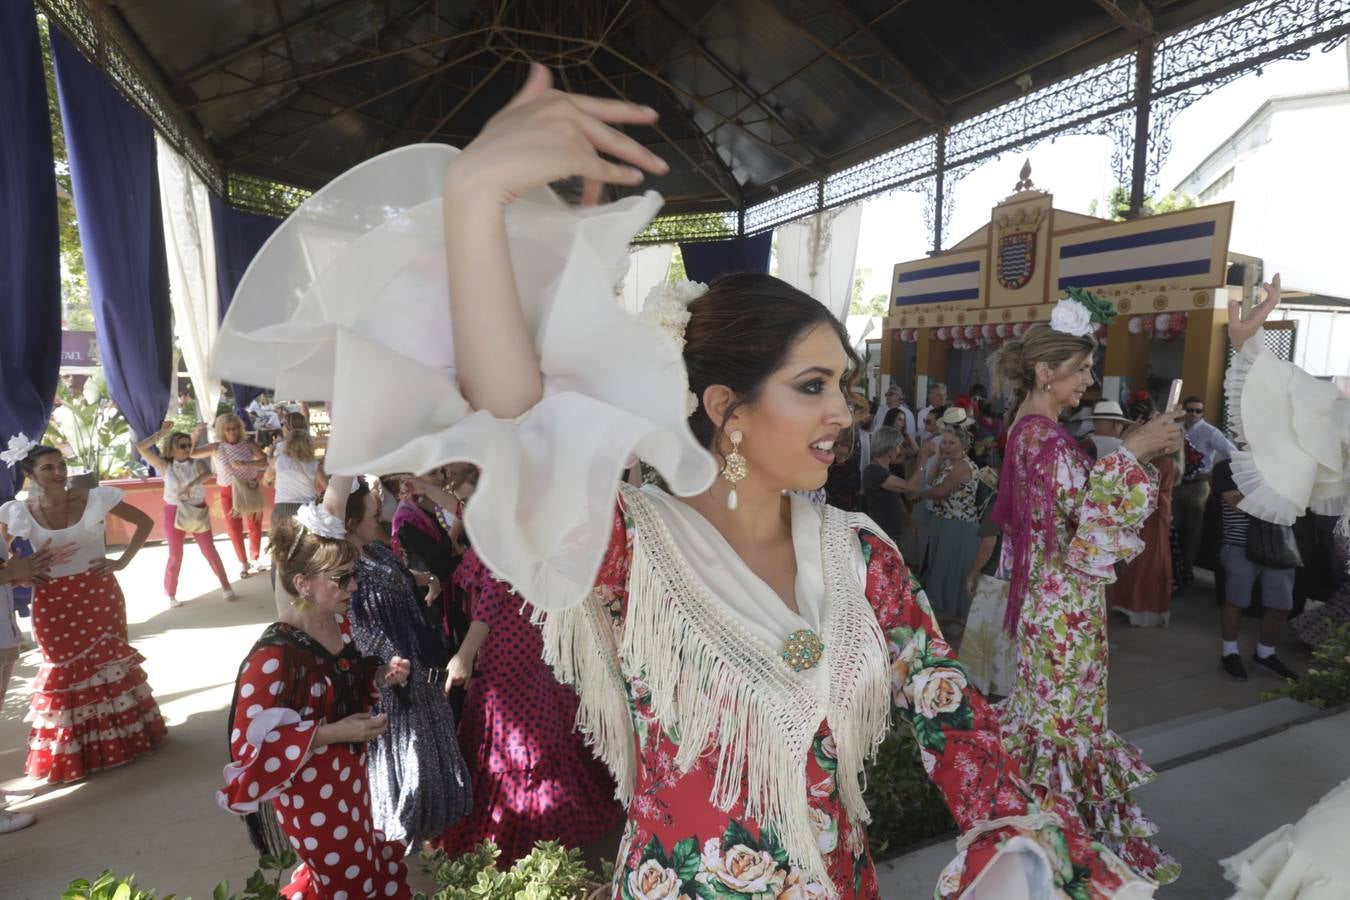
(647, 267)
(191, 251)
(817, 254)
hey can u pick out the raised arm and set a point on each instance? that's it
(146, 448)
(541, 136)
(959, 475)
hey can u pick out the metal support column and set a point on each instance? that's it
(1143, 102)
(938, 177)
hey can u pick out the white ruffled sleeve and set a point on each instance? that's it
(348, 302)
(1297, 434)
(16, 518)
(101, 501)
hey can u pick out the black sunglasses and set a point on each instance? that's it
(1192, 409)
(343, 581)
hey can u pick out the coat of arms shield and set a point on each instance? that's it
(1016, 259)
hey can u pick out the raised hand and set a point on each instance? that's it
(396, 673)
(1239, 328)
(544, 135)
(1158, 436)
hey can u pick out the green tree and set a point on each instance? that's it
(76, 312)
(876, 305)
(1118, 203)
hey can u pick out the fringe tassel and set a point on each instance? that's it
(579, 647)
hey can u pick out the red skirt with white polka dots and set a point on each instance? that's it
(91, 707)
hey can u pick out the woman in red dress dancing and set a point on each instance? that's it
(91, 707)
(301, 719)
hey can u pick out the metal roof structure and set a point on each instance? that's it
(770, 109)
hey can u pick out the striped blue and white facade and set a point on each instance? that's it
(1156, 255)
(942, 280)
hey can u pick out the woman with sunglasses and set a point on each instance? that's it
(300, 721)
(184, 485)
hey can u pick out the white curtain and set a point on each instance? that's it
(191, 250)
(817, 255)
(647, 267)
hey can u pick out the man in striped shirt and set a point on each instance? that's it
(1241, 576)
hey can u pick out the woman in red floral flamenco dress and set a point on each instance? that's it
(92, 708)
(739, 651)
(301, 719)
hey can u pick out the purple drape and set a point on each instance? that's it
(30, 261)
(239, 237)
(112, 168)
(707, 260)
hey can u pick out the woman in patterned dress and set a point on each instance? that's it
(91, 708)
(1066, 522)
(236, 459)
(953, 528)
(738, 650)
(418, 780)
(300, 723)
(534, 778)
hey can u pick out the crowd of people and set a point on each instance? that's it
(687, 676)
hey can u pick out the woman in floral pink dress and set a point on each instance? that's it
(1066, 523)
(738, 650)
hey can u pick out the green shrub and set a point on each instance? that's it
(907, 808)
(263, 884)
(1327, 681)
(550, 872)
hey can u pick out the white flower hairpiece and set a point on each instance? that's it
(667, 307)
(312, 517)
(19, 448)
(1072, 317)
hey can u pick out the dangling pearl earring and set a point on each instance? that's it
(734, 470)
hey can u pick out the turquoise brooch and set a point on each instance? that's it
(803, 650)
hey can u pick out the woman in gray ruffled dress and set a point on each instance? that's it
(419, 784)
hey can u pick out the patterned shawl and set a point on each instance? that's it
(1026, 500)
(409, 513)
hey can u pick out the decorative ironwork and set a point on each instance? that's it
(1197, 61)
(714, 226)
(1247, 38)
(783, 208)
(262, 195)
(1059, 108)
(107, 48)
(901, 166)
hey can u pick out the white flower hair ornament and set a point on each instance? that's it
(312, 517)
(19, 447)
(1081, 312)
(667, 307)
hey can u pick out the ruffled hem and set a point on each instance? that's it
(1259, 497)
(1275, 867)
(365, 318)
(1145, 618)
(1035, 876)
(63, 755)
(1097, 776)
(516, 809)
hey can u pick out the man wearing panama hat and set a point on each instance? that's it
(1108, 424)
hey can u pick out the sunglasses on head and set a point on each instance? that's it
(343, 580)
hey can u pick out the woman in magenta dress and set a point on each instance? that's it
(534, 778)
(300, 722)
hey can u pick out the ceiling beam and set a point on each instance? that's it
(1132, 15)
(923, 94)
(231, 56)
(725, 71)
(909, 94)
(464, 99)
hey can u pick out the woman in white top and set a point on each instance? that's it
(738, 651)
(184, 485)
(91, 707)
(293, 468)
(299, 479)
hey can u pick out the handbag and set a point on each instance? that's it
(248, 497)
(1270, 545)
(192, 519)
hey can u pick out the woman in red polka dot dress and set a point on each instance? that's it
(92, 708)
(300, 722)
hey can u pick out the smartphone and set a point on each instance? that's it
(1174, 395)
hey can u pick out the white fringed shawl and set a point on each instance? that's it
(708, 675)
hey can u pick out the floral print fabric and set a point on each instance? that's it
(1055, 719)
(679, 844)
